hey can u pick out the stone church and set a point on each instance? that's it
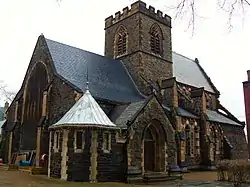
(162, 108)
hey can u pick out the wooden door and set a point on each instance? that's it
(149, 155)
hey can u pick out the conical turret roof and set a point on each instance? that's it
(86, 111)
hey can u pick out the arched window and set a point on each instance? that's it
(156, 39)
(192, 144)
(187, 136)
(197, 140)
(217, 140)
(121, 41)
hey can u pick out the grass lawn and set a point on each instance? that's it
(23, 179)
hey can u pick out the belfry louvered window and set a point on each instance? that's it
(155, 39)
(121, 41)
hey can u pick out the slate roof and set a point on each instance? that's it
(132, 109)
(187, 71)
(108, 78)
(129, 113)
(181, 112)
(185, 113)
(85, 111)
(217, 117)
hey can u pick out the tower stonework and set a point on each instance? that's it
(141, 38)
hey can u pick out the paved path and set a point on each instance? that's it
(18, 179)
(189, 183)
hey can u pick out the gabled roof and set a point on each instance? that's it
(217, 117)
(108, 78)
(188, 71)
(85, 111)
(129, 112)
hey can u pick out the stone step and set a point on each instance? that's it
(135, 180)
(39, 171)
(157, 177)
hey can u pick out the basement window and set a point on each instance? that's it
(79, 141)
(106, 142)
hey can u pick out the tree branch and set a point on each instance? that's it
(7, 95)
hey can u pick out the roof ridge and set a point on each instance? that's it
(81, 49)
(132, 80)
(183, 56)
(206, 76)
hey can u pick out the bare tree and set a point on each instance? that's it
(5, 93)
(189, 8)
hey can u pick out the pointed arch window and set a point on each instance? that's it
(156, 39)
(121, 41)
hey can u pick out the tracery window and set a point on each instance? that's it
(121, 41)
(156, 39)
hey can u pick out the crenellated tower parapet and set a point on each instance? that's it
(136, 7)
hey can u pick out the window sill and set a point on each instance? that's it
(106, 151)
(119, 56)
(56, 150)
(157, 54)
(78, 151)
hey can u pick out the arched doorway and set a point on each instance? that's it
(149, 151)
(154, 148)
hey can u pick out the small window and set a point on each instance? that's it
(57, 141)
(106, 141)
(79, 141)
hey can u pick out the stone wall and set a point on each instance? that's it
(56, 158)
(60, 99)
(237, 138)
(79, 163)
(110, 166)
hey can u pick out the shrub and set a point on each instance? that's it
(235, 171)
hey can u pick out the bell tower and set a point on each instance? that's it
(141, 38)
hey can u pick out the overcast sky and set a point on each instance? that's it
(80, 23)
